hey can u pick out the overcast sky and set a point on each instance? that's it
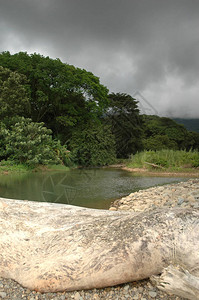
(149, 46)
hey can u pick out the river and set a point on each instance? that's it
(95, 188)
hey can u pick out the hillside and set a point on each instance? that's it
(190, 124)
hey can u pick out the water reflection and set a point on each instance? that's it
(95, 188)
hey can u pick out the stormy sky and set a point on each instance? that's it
(146, 48)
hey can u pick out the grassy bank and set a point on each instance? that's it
(10, 167)
(165, 160)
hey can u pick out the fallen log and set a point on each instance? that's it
(54, 247)
(176, 280)
(153, 165)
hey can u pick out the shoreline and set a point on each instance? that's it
(181, 194)
(146, 172)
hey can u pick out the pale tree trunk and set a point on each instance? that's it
(178, 281)
(54, 247)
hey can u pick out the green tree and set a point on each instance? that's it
(126, 124)
(13, 94)
(159, 142)
(93, 145)
(61, 95)
(29, 143)
(162, 132)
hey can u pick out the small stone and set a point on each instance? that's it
(77, 296)
(180, 201)
(2, 295)
(191, 199)
(152, 294)
(96, 297)
(141, 289)
(124, 207)
(112, 208)
(126, 287)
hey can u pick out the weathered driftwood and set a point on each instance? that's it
(55, 247)
(176, 280)
(153, 165)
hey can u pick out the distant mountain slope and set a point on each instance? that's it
(190, 124)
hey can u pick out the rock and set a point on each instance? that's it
(113, 208)
(191, 199)
(3, 295)
(77, 296)
(126, 287)
(180, 201)
(152, 294)
(96, 297)
(141, 289)
(124, 207)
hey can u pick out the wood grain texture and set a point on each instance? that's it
(53, 247)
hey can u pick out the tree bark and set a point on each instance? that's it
(178, 281)
(54, 247)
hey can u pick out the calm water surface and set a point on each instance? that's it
(95, 188)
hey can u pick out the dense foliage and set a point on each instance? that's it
(45, 90)
(166, 158)
(30, 143)
(61, 95)
(93, 145)
(13, 94)
(164, 133)
(190, 124)
(52, 112)
(126, 124)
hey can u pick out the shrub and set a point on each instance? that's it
(27, 142)
(93, 145)
(166, 158)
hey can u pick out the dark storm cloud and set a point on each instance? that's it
(146, 45)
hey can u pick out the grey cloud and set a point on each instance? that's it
(130, 44)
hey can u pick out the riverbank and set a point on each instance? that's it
(184, 194)
(20, 168)
(180, 173)
(183, 172)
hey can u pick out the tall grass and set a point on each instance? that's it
(168, 159)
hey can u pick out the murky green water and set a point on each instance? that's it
(95, 188)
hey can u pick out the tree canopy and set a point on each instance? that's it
(49, 109)
(60, 94)
(14, 98)
(126, 123)
(165, 133)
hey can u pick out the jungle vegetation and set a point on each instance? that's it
(54, 113)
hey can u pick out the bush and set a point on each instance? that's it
(30, 143)
(159, 142)
(93, 146)
(166, 158)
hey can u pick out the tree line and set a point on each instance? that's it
(52, 112)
